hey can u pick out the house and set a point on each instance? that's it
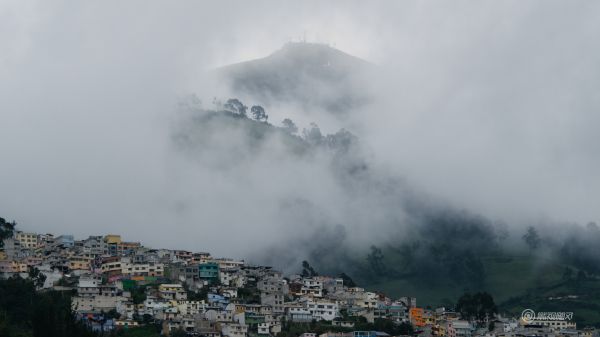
(322, 309)
(206, 328)
(459, 328)
(395, 311)
(416, 317)
(343, 324)
(64, 241)
(172, 292)
(213, 315)
(234, 330)
(95, 303)
(143, 269)
(217, 300)
(184, 323)
(228, 263)
(333, 285)
(27, 240)
(93, 245)
(312, 287)
(79, 263)
(154, 306)
(12, 267)
(189, 307)
(126, 309)
(298, 313)
(269, 328)
(439, 330)
(369, 334)
(183, 255)
(200, 257)
(336, 334)
(208, 272)
(554, 325)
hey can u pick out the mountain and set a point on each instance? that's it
(310, 75)
(431, 251)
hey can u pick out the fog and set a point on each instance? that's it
(489, 107)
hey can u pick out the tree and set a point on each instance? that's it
(313, 135)
(289, 126)
(532, 238)
(6, 230)
(234, 105)
(375, 259)
(26, 312)
(37, 277)
(111, 314)
(307, 270)
(348, 282)
(567, 274)
(138, 294)
(478, 307)
(341, 140)
(259, 114)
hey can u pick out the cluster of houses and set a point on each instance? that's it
(119, 284)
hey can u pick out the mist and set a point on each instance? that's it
(487, 107)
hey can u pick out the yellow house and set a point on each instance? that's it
(121, 323)
(438, 330)
(79, 263)
(170, 287)
(112, 239)
(11, 266)
(27, 240)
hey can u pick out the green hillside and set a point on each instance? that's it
(433, 252)
(516, 283)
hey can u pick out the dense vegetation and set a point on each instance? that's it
(6, 230)
(25, 312)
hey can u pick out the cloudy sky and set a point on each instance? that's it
(492, 106)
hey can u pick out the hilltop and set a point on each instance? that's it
(308, 74)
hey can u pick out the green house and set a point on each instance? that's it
(209, 272)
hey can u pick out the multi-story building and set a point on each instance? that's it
(79, 262)
(208, 272)
(322, 309)
(27, 240)
(172, 292)
(459, 328)
(555, 325)
(12, 266)
(416, 317)
(234, 330)
(93, 245)
(228, 263)
(143, 269)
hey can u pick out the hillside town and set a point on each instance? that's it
(119, 284)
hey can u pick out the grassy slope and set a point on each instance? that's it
(516, 282)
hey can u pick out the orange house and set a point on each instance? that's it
(416, 317)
